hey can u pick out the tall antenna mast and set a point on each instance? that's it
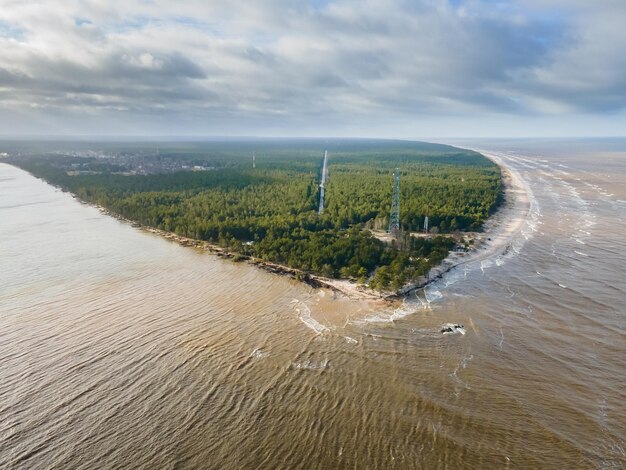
(323, 181)
(253, 161)
(394, 217)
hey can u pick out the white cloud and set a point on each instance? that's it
(285, 66)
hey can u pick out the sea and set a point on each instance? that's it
(120, 349)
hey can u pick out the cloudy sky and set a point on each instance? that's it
(387, 68)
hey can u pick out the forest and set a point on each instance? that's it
(269, 211)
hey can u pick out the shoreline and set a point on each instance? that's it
(498, 230)
(217, 250)
(495, 238)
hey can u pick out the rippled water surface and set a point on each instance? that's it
(119, 349)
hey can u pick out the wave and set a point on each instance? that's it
(304, 314)
(311, 365)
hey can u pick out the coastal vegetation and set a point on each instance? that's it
(269, 211)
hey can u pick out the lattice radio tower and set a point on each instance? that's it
(394, 217)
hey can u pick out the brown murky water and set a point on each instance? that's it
(122, 350)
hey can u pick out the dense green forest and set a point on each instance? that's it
(270, 211)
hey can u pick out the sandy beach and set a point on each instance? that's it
(494, 240)
(498, 231)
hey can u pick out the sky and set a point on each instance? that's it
(327, 68)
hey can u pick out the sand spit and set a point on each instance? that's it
(494, 240)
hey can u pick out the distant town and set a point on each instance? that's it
(126, 163)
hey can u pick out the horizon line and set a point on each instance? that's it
(143, 137)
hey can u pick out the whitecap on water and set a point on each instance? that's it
(487, 263)
(311, 365)
(258, 353)
(461, 365)
(304, 314)
(432, 294)
(408, 307)
(378, 318)
(403, 311)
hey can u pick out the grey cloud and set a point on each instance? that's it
(284, 64)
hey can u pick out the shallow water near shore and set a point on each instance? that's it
(120, 349)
